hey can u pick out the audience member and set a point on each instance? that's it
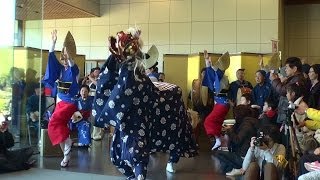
(239, 136)
(12, 160)
(238, 87)
(261, 91)
(33, 106)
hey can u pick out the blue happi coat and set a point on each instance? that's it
(84, 125)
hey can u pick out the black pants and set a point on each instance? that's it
(229, 160)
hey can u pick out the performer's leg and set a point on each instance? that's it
(66, 149)
(173, 159)
(213, 123)
(140, 171)
(115, 154)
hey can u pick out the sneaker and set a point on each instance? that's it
(170, 168)
(234, 172)
(312, 166)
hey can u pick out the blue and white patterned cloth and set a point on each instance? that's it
(145, 118)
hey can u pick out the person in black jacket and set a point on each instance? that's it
(239, 136)
(12, 160)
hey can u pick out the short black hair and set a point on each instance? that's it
(294, 62)
(272, 131)
(296, 88)
(85, 86)
(93, 69)
(271, 104)
(316, 69)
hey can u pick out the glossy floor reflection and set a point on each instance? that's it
(96, 160)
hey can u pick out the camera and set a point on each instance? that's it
(259, 140)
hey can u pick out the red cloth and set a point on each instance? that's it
(47, 91)
(213, 122)
(85, 114)
(58, 130)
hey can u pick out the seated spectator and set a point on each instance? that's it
(12, 160)
(307, 158)
(81, 118)
(269, 113)
(262, 158)
(240, 136)
(313, 115)
(239, 87)
(246, 99)
(33, 106)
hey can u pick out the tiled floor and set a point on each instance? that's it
(95, 160)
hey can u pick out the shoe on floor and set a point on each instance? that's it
(170, 168)
(312, 166)
(234, 172)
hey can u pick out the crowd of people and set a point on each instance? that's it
(262, 114)
(148, 114)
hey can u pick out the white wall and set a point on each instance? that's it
(174, 26)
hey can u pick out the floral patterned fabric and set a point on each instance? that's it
(146, 118)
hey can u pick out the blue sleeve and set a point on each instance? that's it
(209, 77)
(53, 71)
(75, 70)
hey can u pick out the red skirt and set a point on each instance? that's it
(213, 122)
(58, 129)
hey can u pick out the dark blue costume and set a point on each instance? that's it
(83, 126)
(145, 118)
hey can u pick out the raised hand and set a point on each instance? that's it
(261, 62)
(54, 36)
(207, 58)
